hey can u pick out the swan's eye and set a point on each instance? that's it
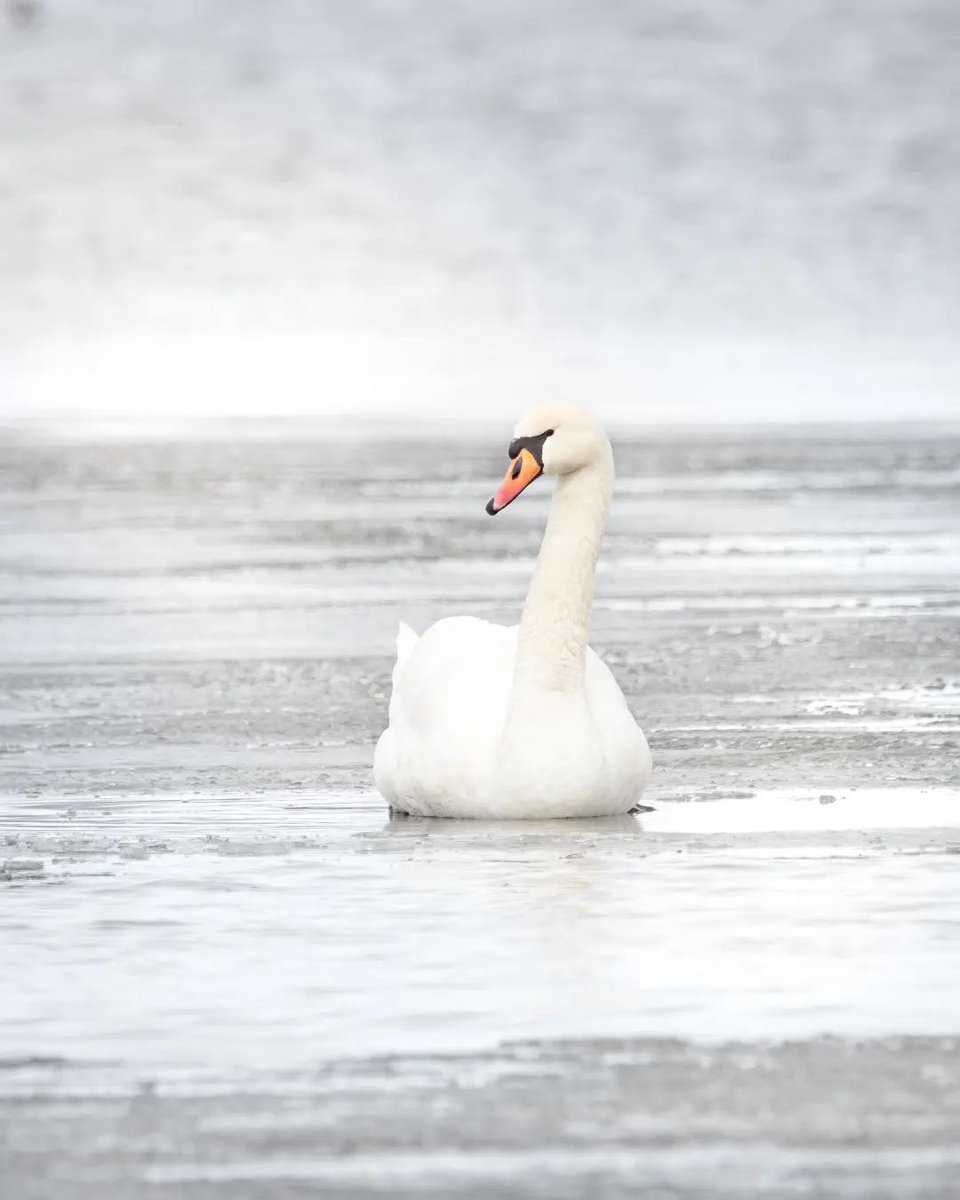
(533, 444)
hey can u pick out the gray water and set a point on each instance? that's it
(230, 973)
(705, 208)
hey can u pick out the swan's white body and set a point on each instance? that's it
(523, 721)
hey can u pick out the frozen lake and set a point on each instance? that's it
(230, 974)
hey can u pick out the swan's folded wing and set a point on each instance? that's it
(450, 692)
(456, 680)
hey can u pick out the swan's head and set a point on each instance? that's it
(552, 439)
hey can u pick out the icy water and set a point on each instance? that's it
(230, 974)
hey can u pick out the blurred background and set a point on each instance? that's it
(702, 210)
(268, 268)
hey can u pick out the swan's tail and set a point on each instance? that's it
(406, 640)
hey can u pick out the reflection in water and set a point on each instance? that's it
(439, 829)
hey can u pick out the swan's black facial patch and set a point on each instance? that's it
(533, 444)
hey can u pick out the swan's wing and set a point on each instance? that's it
(456, 675)
(450, 693)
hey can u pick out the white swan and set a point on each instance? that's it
(526, 721)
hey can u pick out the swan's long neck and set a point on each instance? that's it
(556, 616)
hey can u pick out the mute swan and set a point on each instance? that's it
(526, 721)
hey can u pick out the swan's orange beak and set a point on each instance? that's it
(523, 470)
